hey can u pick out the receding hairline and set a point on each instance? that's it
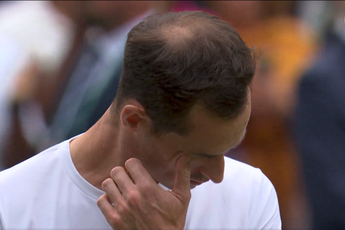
(174, 34)
(184, 29)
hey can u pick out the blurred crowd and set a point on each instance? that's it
(60, 63)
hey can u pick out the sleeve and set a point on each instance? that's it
(319, 132)
(264, 212)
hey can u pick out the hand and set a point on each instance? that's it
(133, 200)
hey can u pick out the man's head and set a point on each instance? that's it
(176, 60)
(184, 90)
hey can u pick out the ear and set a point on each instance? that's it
(132, 115)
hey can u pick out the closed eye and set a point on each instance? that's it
(207, 155)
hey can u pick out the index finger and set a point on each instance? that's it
(182, 176)
(137, 171)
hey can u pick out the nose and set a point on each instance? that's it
(213, 168)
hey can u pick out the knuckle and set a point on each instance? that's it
(147, 192)
(145, 188)
(122, 209)
(133, 197)
(114, 219)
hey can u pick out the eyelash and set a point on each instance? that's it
(206, 156)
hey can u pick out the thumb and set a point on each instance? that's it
(182, 177)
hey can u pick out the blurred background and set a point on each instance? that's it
(60, 62)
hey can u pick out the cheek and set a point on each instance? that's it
(159, 157)
(161, 171)
(157, 161)
(195, 165)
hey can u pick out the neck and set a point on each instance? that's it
(97, 152)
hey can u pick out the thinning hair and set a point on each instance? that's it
(175, 60)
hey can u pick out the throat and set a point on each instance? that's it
(92, 158)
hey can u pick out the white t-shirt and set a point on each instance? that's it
(47, 192)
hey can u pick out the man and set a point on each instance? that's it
(93, 82)
(49, 34)
(183, 101)
(9, 74)
(319, 125)
(84, 87)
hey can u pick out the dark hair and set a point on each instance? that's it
(175, 60)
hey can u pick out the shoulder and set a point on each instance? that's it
(257, 193)
(262, 205)
(32, 168)
(247, 180)
(25, 183)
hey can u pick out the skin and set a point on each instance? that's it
(120, 156)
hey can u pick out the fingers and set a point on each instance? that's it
(122, 179)
(105, 205)
(182, 177)
(137, 171)
(110, 188)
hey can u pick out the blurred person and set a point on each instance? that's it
(286, 48)
(319, 125)
(47, 32)
(10, 87)
(93, 82)
(44, 28)
(183, 101)
(317, 14)
(84, 87)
